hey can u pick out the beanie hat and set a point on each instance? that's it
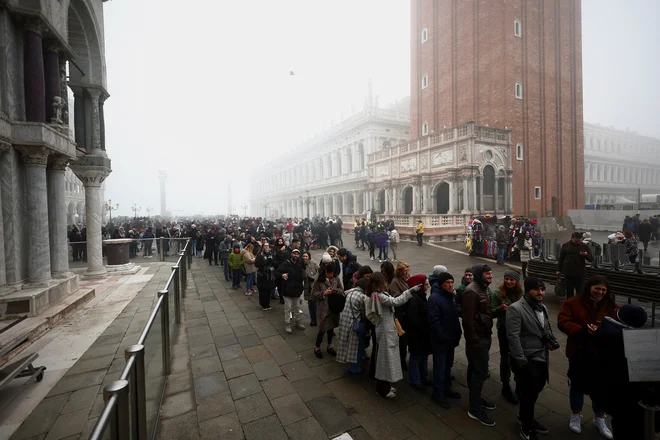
(443, 277)
(437, 270)
(417, 279)
(632, 315)
(532, 283)
(326, 258)
(512, 274)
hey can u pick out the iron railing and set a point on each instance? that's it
(124, 414)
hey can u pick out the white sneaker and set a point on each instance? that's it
(300, 326)
(575, 424)
(391, 395)
(288, 329)
(602, 428)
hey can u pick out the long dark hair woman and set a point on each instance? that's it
(580, 317)
(326, 285)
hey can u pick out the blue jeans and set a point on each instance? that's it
(193, 246)
(354, 367)
(442, 363)
(500, 254)
(418, 369)
(236, 278)
(225, 262)
(382, 252)
(250, 281)
(576, 399)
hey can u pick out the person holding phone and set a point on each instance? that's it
(579, 318)
(572, 263)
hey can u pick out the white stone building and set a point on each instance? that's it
(618, 165)
(49, 47)
(328, 175)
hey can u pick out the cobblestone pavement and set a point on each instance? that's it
(236, 374)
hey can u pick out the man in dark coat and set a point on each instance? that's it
(445, 330)
(292, 275)
(349, 266)
(572, 263)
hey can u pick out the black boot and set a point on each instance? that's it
(509, 395)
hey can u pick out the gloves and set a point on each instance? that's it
(413, 290)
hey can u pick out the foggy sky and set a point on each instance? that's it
(201, 88)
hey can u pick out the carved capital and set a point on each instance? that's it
(4, 147)
(53, 46)
(58, 162)
(35, 25)
(34, 155)
(90, 177)
(95, 94)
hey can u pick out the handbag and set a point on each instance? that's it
(399, 329)
(560, 288)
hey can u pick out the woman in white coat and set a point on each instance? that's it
(388, 361)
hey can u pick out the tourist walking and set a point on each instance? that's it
(419, 229)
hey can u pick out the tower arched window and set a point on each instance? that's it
(425, 35)
(519, 91)
(517, 28)
(425, 81)
(425, 128)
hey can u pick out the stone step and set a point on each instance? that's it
(33, 301)
(22, 335)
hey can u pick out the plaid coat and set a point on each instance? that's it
(347, 349)
(388, 361)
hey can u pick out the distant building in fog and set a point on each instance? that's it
(618, 165)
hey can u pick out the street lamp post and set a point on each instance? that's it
(110, 208)
(149, 211)
(245, 206)
(136, 209)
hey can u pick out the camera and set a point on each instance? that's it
(550, 341)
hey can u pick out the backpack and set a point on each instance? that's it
(336, 302)
(394, 237)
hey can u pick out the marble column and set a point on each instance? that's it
(474, 194)
(35, 159)
(356, 203)
(509, 195)
(497, 194)
(4, 147)
(59, 253)
(415, 194)
(426, 189)
(395, 200)
(480, 207)
(95, 95)
(33, 72)
(466, 206)
(92, 180)
(452, 196)
(52, 76)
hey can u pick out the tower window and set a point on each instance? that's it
(425, 35)
(537, 192)
(519, 151)
(425, 128)
(425, 81)
(517, 28)
(519, 91)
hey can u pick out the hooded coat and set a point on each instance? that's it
(444, 324)
(417, 327)
(477, 317)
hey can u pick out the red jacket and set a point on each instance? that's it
(576, 313)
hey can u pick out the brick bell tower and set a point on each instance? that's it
(513, 64)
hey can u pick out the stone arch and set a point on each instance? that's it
(489, 188)
(380, 201)
(441, 193)
(339, 206)
(407, 199)
(83, 37)
(331, 206)
(348, 204)
(349, 160)
(360, 157)
(339, 167)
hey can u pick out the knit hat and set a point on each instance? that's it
(532, 283)
(512, 274)
(417, 279)
(443, 277)
(326, 258)
(437, 270)
(632, 315)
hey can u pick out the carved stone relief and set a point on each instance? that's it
(425, 162)
(443, 157)
(409, 164)
(382, 170)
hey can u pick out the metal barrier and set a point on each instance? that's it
(124, 415)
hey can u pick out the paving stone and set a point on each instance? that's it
(284, 355)
(306, 429)
(76, 382)
(81, 399)
(103, 350)
(42, 418)
(267, 369)
(203, 351)
(311, 388)
(210, 385)
(373, 417)
(180, 365)
(257, 354)
(177, 404)
(277, 387)
(359, 434)
(230, 352)
(199, 340)
(224, 341)
(178, 382)
(226, 427)
(330, 371)
(98, 406)
(290, 409)
(266, 331)
(237, 367)
(195, 315)
(87, 430)
(244, 330)
(249, 340)
(183, 427)
(68, 424)
(332, 416)
(266, 428)
(424, 424)
(214, 406)
(201, 330)
(223, 329)
(297, 371)
(253, 407)
(206, 366)
(244, 386)
(93, 364)
(348, 391)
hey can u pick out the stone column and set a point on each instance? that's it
(415, 207)
(497, 194)
(57, 212)
(395, 200)
(474, 194)
(33, 73)
(452, 196)
(356, 203)
(426, 189)
(466, 205)
(509, 195)
(92, 180)
(52, 77)
(35, 159)
(4, 147)
(95, 95)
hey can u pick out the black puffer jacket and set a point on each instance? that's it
(293, 286)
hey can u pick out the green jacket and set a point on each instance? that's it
(235, 261)
(495, 302)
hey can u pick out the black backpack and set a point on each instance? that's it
(336, 302)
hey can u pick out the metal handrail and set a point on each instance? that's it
(129, 420)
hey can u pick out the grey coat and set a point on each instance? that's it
(388, 360)
(524, 333)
